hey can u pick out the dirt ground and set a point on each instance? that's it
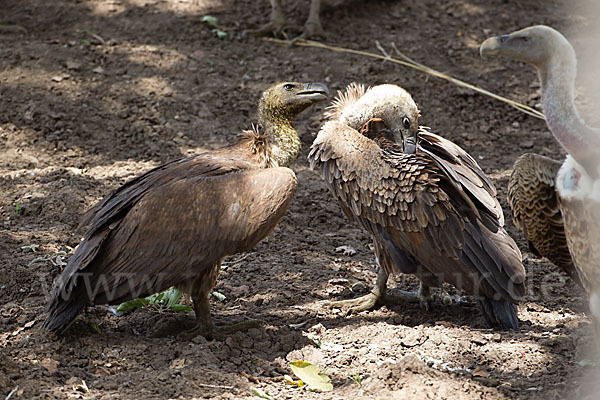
(95, 92)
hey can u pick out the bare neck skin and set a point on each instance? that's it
(557, 78)
(281, 136)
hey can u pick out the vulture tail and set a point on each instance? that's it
(62, 315)
(499, 313)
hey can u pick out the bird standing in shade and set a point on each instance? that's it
(429, 208)
(173, 225)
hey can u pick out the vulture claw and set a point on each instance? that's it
(421, 296)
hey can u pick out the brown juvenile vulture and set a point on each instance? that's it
(430, 211)
(577, 181)
(173, 225)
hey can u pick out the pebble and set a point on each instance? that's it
(527, 144)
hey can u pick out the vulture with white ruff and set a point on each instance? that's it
(427, 205)
(173, 225)
(577, 181)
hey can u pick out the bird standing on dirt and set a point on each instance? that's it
(578, 179)
(173, 225)
(430, 209)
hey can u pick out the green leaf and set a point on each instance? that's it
(219, 296)
(209, 19)
(261, 394)
(172, 296)
(220, 34)
(312, 376)
(180, 308)
(132, 305)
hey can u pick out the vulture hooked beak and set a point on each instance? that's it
(492, 46)
(315, 91)
(410, 145)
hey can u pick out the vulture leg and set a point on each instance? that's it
(205, 326)
(379, 295)
(278, 24)
(312, 26)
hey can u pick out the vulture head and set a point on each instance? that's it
(284, 101)
(383, 106)
(537, 45)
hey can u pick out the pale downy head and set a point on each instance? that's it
(390, 103)
(537, 45)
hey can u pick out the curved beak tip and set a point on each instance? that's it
(491, 46)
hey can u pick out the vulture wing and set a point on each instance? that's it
(535, 209)
(417, 209)
(205, 164)
(147, 237)
(463, 169)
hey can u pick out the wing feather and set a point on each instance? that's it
(435, 214)
(535, 209)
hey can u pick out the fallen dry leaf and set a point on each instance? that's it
(178, 363)
(50, 364)
(101, 371)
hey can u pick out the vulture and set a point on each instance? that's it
(427, 205)
(173, 225)
(534, 204)
(278, 23)
(577, 182)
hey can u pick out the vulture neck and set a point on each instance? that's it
(282, 139)
(558, 100)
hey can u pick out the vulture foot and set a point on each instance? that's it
(279, 28)
(219, 332)
(421, 296)
(313, 30)
(363, 303)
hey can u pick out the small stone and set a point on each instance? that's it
(527, 144)
(515, 125)
(72, 65)
(480, 372)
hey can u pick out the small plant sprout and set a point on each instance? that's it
(356, 378)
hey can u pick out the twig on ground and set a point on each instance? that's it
(206, 385)
(11, 393)
(411, 64)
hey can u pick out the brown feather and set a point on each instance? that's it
(535, 210)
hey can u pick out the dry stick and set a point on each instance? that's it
(309, 43)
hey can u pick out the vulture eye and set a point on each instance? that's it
(288, 86)
(524, 39)
(406, 122)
